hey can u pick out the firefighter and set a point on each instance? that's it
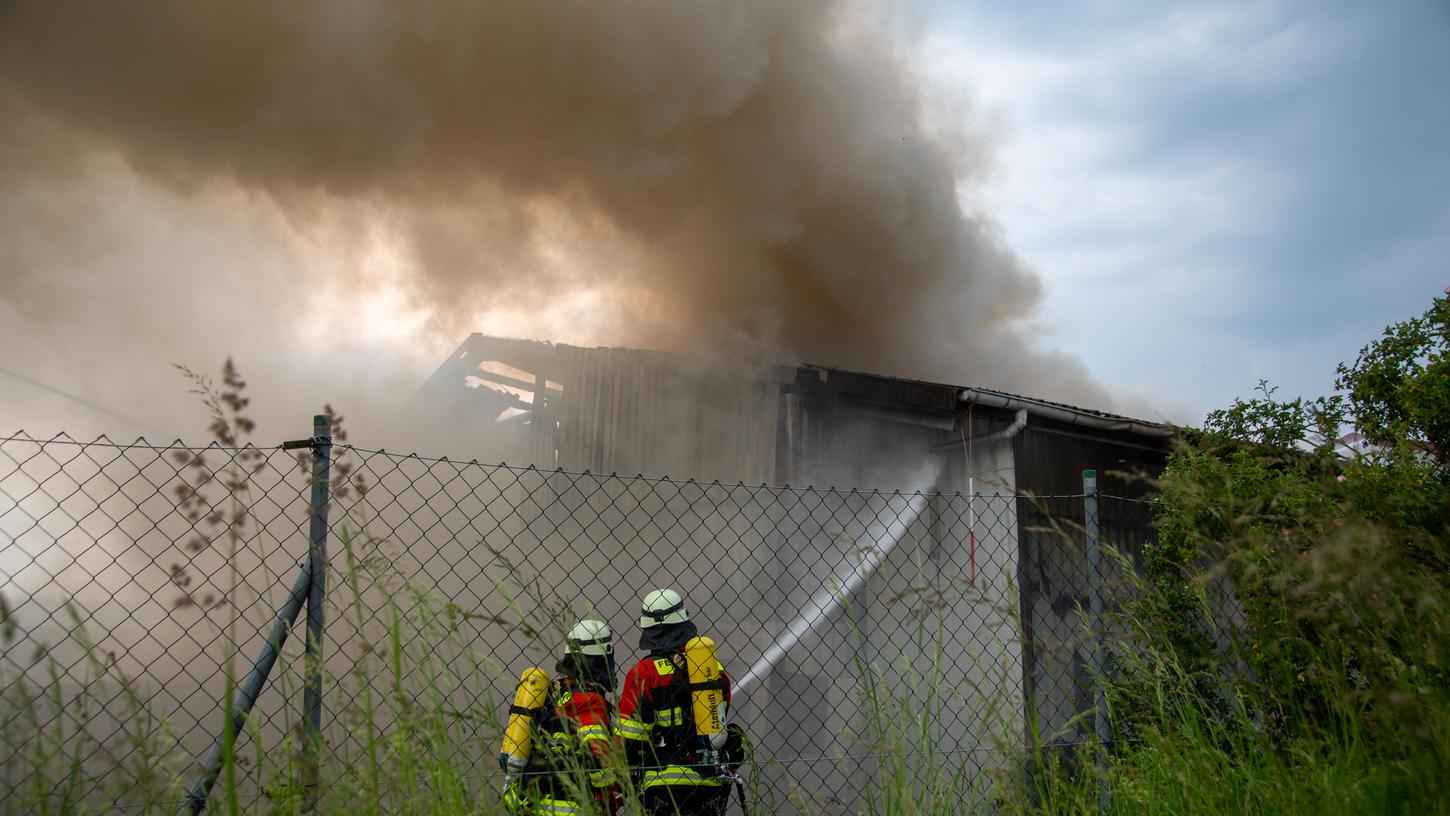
(679, 769)
(568, 731)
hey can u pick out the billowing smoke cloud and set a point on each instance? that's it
(336, 191)
(753, 176)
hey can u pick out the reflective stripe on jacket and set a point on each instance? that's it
(516, 803)
(583, 715)
(652, 710)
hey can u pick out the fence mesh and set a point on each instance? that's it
(868, 635)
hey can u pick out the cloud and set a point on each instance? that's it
(1211, 193)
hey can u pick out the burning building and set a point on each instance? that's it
(723, 175)
(989, 548)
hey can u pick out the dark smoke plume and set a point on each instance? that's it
(753, 176)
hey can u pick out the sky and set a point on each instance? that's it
(1205, 194)
(1212, 193)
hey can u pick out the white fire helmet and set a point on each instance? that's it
(591, 637)
(662, 606)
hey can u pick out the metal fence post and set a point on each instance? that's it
(316, 597)
(251, 687)
(1100, 663)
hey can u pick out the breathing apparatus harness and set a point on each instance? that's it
(553, 740)
(718, 749)
(536, 737)
(700, 738)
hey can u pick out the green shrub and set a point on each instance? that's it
(1287, 646)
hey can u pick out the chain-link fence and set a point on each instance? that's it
(873, 638)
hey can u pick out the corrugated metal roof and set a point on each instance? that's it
(929, 398)
(1078, 409)
(910, 386)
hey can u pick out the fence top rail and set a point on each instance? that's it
(178, 445)
(139, 443)
(1140, 500)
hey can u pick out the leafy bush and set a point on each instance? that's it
(1292, 606)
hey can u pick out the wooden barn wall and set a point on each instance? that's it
(626, 411)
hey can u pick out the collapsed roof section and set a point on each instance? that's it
(609, 410)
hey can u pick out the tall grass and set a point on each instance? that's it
(1322, 692)
(400, 741)
(918, 769)
(400, 745)
(1214, 756)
